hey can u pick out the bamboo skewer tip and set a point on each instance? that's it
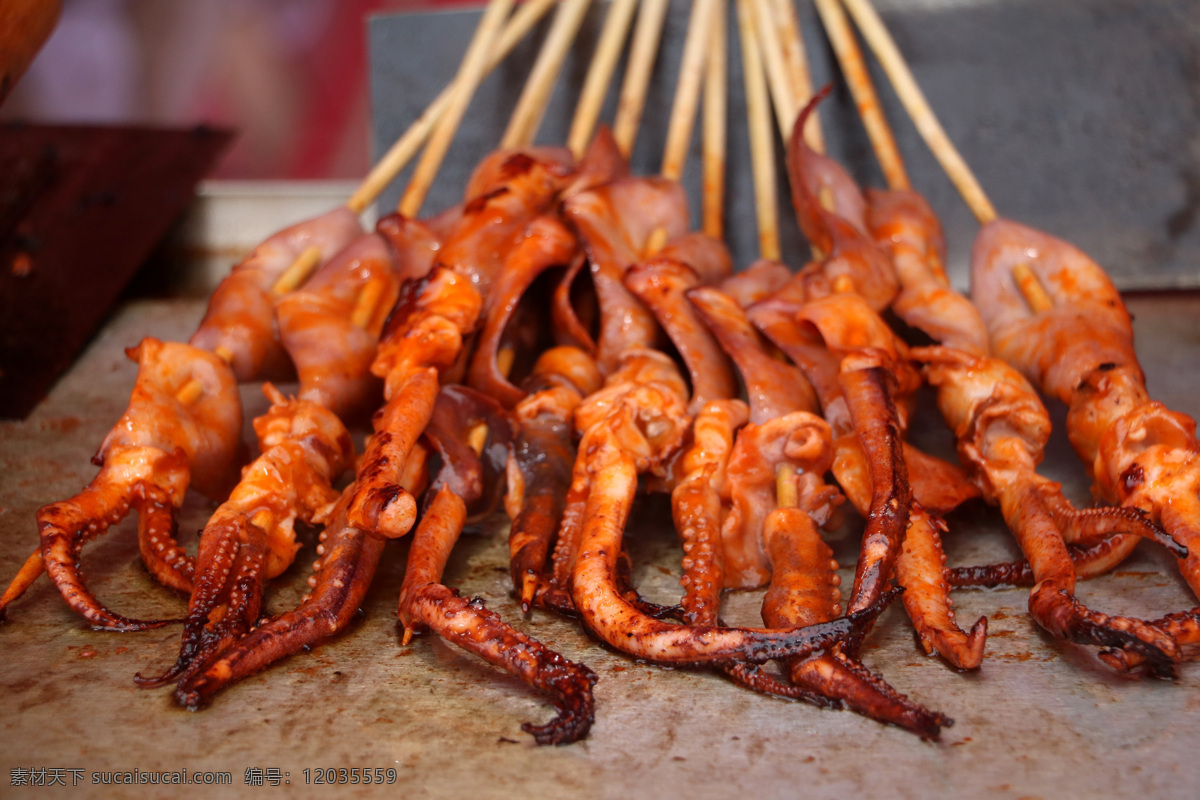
(682, 122)
(190, 392)
(716, 107)
(366, 304)
(786, 495)
(858, 77)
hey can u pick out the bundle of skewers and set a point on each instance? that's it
(762, 402)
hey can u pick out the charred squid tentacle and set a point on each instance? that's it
(804, 591)
(544, 454)
(161, 553)
(424, 335)
(540, 468)
(380, 503)
(341, 581)
(611, 618)
(1087, 526)
(1182, 626)
(1089, 562)
(868, 694)
(426, 603)
(251, 538)
(696, 506)
(865, 384)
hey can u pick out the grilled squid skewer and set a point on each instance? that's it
(632, 426)
(251, 537)
(182, 426)
(427, 603)
(1002, 429)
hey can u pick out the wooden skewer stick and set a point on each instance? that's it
(638, 69)
(1031, 288)
(505, 359)
(854, 67)
(465, 83)
(298, 272)
(656, 242)
(795, 59)
(762, 148)
(687, 89)
(191, 391)
(400, 153)
(789, 82)
(531, 106)
(366, 304)
(477, 437)
(881, 43)
(685, 105)
(783, 90)
(404, 148)
(786, 495)
(716, 96)
(600, 72)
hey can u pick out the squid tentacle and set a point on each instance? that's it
(608, 615)
(426, 603)
(342, 577)
(1088, 561)
(869, 399)
(1086, 526)
(67, 525)
(1052, 602)
(921, 570)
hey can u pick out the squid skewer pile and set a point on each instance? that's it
(1054, 340)
(425, 602)
(240, 328)
(417, 307)
(839, 679)
(637, 421)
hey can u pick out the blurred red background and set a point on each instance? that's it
(290, 77)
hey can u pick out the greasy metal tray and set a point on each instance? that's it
(1040, 719)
